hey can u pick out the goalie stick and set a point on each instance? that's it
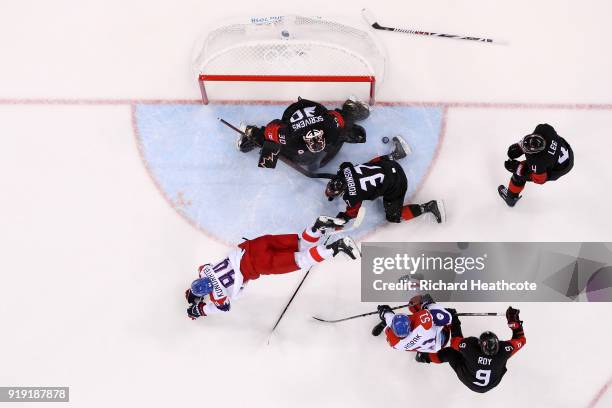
(399, 307)
(282, 158)
(371, 20)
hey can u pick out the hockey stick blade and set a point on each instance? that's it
(368, 16)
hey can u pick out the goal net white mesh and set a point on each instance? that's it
(289, 49)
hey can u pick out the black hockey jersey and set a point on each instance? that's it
(379, 177)
(305, 130)
(480, 372)
(555, 158)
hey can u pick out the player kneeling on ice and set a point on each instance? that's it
(307, 134)
(382, 177)
(547, 157)
(224, 281)
(480, 363)
(425, 330)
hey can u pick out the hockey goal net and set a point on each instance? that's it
(294, 51)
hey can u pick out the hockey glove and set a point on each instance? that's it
(515, 151)
(196, 310)
(268, 156)
(512, 165)
(512, 316)
(191, 298)
(452, 311)
(382, 309)
(422, 357)
(376, 330)
(419, 302)
(344, 216)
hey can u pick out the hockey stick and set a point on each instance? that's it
(291, 300)
(394, 308)
(282, 158)
(371, 20)
(358, 220)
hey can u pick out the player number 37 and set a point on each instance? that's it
(484, 376)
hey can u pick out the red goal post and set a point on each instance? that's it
(289, 49)
(288, 78)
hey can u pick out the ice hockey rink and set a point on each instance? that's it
(99, 241)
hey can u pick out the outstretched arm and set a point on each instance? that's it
(518, 339)
(350, 212)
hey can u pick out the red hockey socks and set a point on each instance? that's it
(411, 211)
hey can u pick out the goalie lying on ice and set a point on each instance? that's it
(308, 133)
(224, 281)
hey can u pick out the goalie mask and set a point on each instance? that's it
(532, 144)
(315, 140)
(335, 187)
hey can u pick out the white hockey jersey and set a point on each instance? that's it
(426, 330)
(227, 281)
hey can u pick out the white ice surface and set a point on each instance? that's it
(94, 261)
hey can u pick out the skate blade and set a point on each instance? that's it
(442, 209)
(353, 244)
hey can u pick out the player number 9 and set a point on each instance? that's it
(484, 376)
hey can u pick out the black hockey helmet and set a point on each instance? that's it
(489, 343)
(532, 143)
(335, 187)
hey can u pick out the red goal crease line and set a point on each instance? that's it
(432, 104)
(287, 78)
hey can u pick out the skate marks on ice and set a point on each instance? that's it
(194, 162)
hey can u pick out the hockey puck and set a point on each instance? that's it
(385, 139)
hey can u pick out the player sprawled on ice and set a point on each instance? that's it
(382, 177)
(307, 134)
(218, 284)
(480, 363)
(547, 157)
(425, 330)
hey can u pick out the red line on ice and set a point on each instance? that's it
(443, 104)
(600, 394)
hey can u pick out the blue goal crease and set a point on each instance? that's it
(195, 162)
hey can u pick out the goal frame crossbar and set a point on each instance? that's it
(287, 78)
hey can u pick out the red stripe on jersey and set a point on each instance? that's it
(271, 132)
(308, 237)
(421, 318)
(539, 178)
(338, 117)
(433, 357)
(514, 188)
(314, 252)
(517, 344)
(455, 342)
(392, 339)
(352, 211)
(217, 302)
